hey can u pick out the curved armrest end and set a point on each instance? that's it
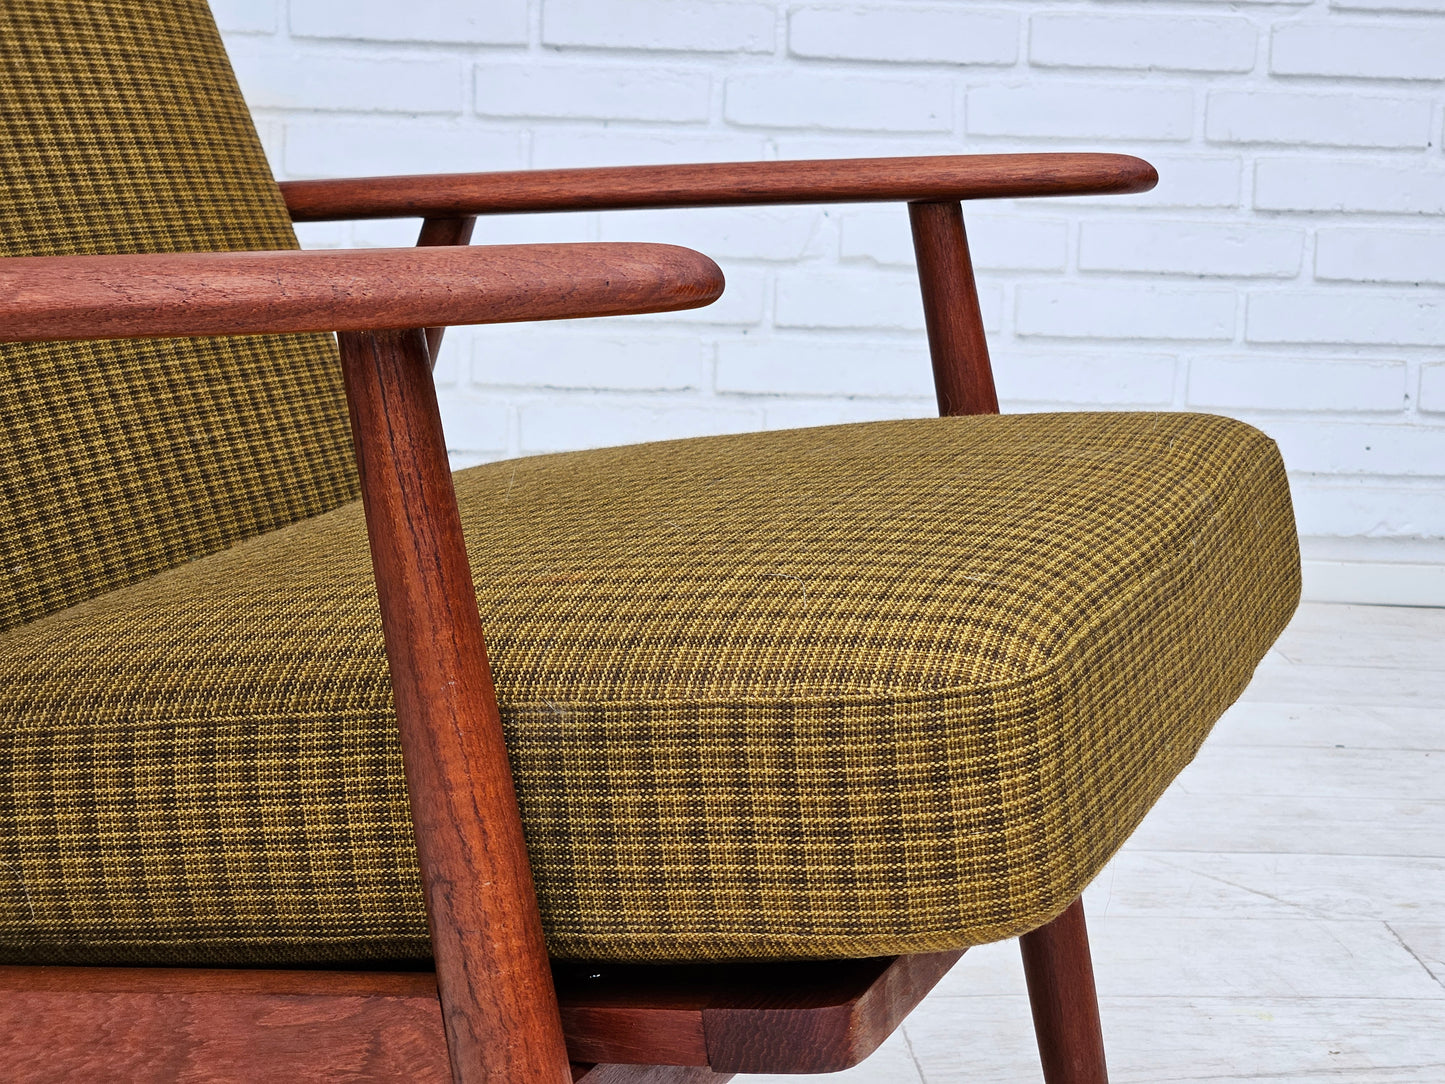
(169, 295)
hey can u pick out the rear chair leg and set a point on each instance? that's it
(1061, 992)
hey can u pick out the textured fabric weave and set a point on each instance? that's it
(846, 691)
(122, 130)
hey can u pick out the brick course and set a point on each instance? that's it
(1289, 269)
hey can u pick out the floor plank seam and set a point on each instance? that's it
(1415, 956)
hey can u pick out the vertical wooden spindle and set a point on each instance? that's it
(962, 376)
(443, 231)
(1065, 1005)
(498, 1002)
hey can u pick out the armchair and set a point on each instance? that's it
(760, 826)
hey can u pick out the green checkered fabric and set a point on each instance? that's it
(833, 692)
(122, 130)
(847, 691)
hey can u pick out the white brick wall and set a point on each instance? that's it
(908, 33)
(1173, 42)
(701, 26)
(1289, 269)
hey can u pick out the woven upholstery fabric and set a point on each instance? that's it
(122, 130)
(845, 691)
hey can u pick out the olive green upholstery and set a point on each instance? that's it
(830, 692)
(122, 130)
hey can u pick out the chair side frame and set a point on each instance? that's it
(497, 1001)
(1057, 960)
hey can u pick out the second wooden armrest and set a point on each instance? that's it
(720, 184)
(249, 293)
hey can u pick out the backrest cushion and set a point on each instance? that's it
(122, 129)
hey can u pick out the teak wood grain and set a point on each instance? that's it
(1065, 1005)
(498, 1002)
(243, 293)
(123, 1025)
(703, 1021)
(845, 180)
(846, 1018)
(651, 1074)
(760, 1017)
(441, 232)
(962, 374)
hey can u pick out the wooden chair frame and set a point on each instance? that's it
(491, 1011)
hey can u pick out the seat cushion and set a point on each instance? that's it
(845, 691)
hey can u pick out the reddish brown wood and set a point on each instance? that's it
(239, 982)
(173, 294)
(845, 180)
(962, 375)
(640, 1013)
(498, 1002)
(121, 1025)
(644, 1032)
(1065, 1006)
(441, 232)
(833, 1029)
(763, 1017)
(813, 1017)
(647, 1074)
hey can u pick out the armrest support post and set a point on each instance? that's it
(498, 1002)
(962, 376)
(439, 232)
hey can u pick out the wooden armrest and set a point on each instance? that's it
(841, 180)
(249, 293)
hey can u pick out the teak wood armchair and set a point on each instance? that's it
(494, 1007)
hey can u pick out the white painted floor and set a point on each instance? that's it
(1281, 913)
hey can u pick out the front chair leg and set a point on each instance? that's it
(498, 1003)
(1061, 993)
